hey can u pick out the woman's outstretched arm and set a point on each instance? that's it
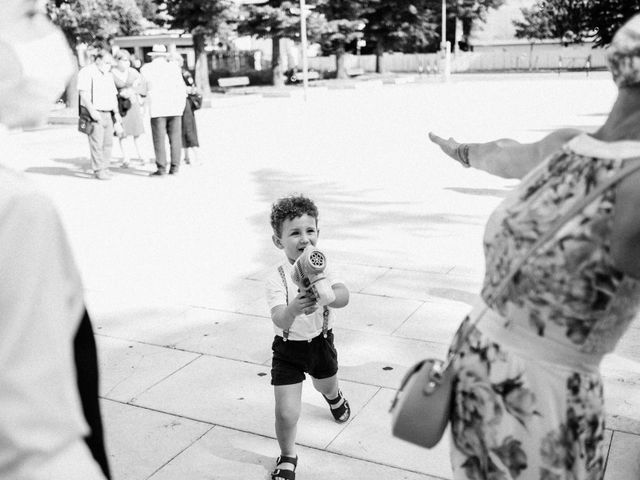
(505, 157)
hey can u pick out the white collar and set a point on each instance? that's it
(589, 146)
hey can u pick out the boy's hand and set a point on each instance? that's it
(304, 302)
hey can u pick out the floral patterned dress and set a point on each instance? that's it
(528, 396)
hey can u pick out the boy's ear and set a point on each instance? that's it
(277, 242)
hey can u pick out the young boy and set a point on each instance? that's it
(304, 339)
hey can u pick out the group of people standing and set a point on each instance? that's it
(117, 97)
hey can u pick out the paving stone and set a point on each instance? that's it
(423, 285)
(141, 441)
(228, 454)
(623, 462)
(357, 277)
(380, 360)
(627, 347)
(129, 368)
(239, 395)
(223, 334)
(369, 437)
(375, 314)
(435, 321)
(622, 405)
(152, 324)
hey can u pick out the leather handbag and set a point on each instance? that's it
(196, 101)
(421, 408)
(85, 121)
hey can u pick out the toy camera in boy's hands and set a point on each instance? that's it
(308, 274)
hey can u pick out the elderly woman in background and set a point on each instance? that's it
(130, 85)
(50, 424)
(190, 141)
(528, 395)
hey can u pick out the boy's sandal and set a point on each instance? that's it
(284, 473)
(342, 413)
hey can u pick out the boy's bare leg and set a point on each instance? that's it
(288, 404)
(329, 388)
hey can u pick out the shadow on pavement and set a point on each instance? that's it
(359, 218)
(80, 167)
(482, 192)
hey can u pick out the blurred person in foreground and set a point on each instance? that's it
(166, 96)
(50, 425)
(528, 394)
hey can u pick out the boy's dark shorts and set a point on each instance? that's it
(291, 359)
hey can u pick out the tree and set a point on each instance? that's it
(576, 20)
(278, 19)
(203, 19)
(344, 24)
(469, 12)
(153, 12)
(606, 17)
(395, 23)
(95, 21)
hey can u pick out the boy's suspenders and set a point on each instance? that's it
(325, 309)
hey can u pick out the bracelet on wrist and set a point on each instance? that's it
(462, 154)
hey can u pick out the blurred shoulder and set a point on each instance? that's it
(19, 195)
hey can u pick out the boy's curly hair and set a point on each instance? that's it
(288, 208)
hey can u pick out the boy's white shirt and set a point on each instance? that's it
(304, 327)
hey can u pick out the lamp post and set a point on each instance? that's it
(303, 46)
(446, 47)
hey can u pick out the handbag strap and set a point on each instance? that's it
(632, 165)
(80, 98)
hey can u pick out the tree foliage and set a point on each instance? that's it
(345, 21)
(471, 11)
(575, 20)
(277, 19)
(203, 19)
(95, 21)
(155, 12)
(392, 24)
(207, 18)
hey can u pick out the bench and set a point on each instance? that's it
(299, 76)
(354, 72)
(227, 82)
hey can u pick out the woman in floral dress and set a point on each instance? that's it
(528, 395)
(130, 85)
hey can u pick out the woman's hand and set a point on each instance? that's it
(452, 148)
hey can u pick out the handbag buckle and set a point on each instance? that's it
(435, 377)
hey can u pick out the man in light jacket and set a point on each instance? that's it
(166, 94)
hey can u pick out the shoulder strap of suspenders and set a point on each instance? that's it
(325, 309)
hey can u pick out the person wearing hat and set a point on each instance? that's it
(528, 395)
(166, 97)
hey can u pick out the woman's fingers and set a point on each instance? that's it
(436, 139)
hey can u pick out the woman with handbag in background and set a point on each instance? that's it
(527, 398)
(190, 142)
(130, 85)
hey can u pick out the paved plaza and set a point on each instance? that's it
(173, 269)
